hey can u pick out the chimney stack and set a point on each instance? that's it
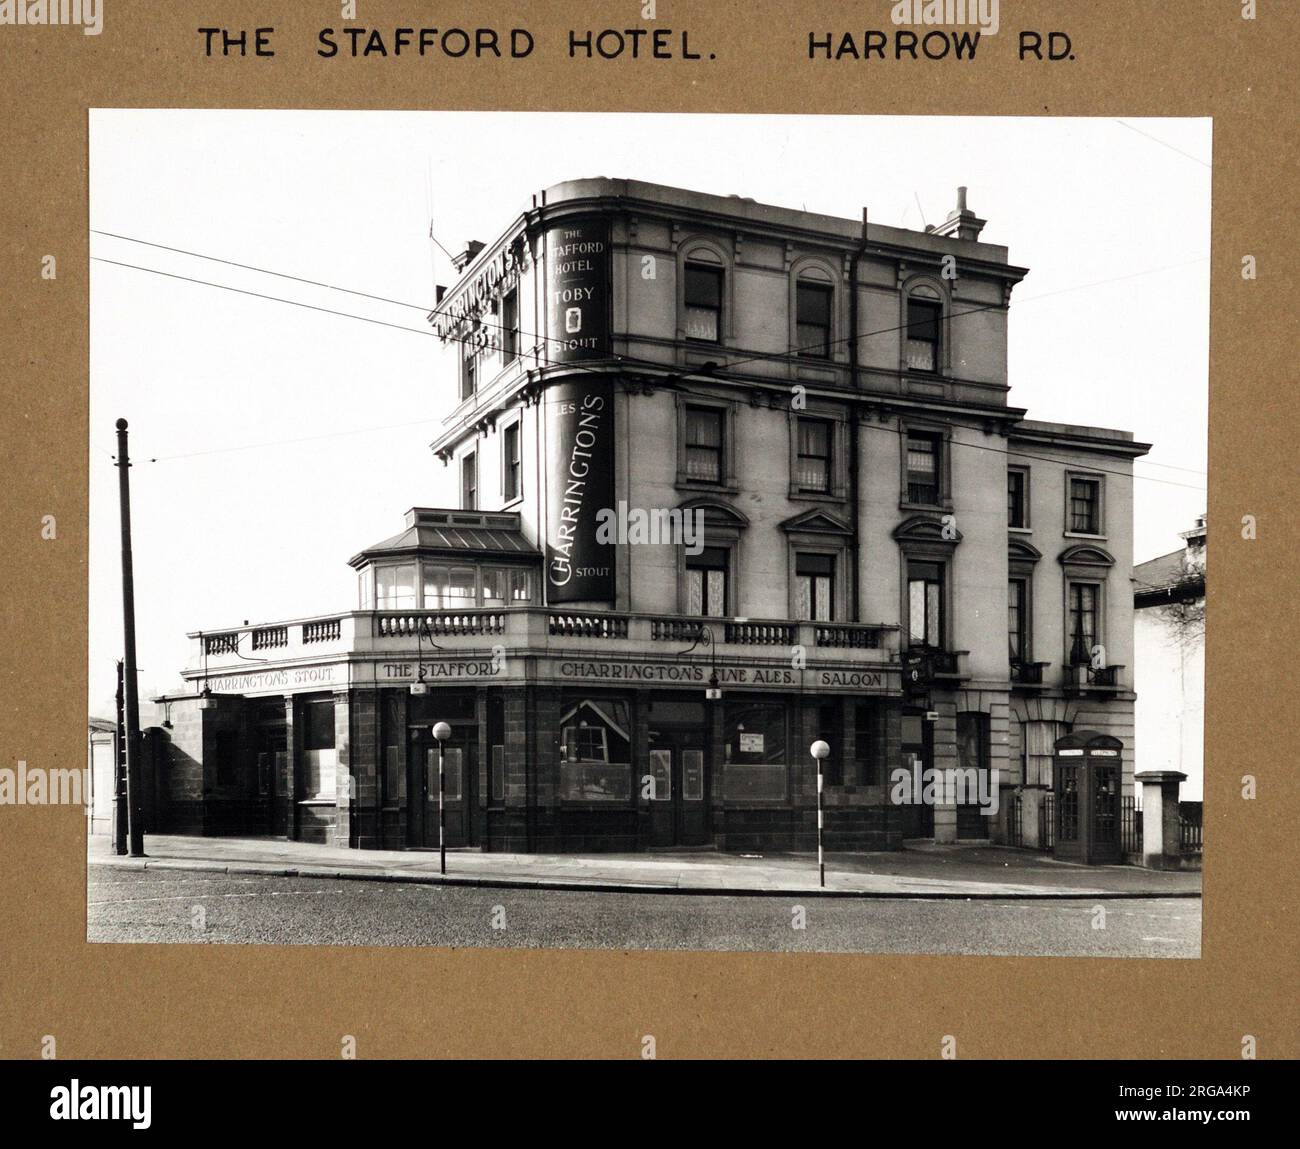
(962, 223)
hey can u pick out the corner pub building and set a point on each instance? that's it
(890, 558)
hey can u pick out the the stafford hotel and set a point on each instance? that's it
(717, 479)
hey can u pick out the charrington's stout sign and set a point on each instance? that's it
(577, 290)
(580, 454)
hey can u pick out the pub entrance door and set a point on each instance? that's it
(918, 757)
(461, 780)
(678, 766)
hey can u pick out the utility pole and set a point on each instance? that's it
(135, 832)
(119, 770)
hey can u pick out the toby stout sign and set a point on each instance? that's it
(577, 290)
(580, 459)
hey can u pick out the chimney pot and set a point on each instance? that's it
(961, 199)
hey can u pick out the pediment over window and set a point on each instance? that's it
(927, 530)
(717, 515)
(816, 522)
(1086, 555)
(1019, 551)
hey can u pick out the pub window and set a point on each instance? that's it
(924, 455)
(595, 751)
(706, 582)
(468, 373)
(512, 471)
(365, 587)
(704, 444)
(469, 481)
(495, 587)
(1085, 505)
(703, 303)
(520, 587)
(755, 752)
(1083, 621)
(925, 605)
(813, 460)
(227, 757)
(395, 587)
(813, 320)
(319, 758)
(510, 327)
(868, 743)
(1017, 508)
(448, 587)
(1018, 619)
(923, 317)
(814, 581)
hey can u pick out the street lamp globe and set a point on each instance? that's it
(820, 749)
(441, 731)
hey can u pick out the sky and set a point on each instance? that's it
(271, 442)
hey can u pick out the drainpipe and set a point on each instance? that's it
(854, 477)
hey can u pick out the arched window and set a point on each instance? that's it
(924, 326)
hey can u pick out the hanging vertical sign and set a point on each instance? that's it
(577, 290)
(580, 483)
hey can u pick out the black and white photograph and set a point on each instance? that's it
(648, 531)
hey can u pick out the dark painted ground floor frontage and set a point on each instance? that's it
(555, 769)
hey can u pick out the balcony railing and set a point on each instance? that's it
(270, 637)
(322, 630)
(594, 625)
(478, 630)
(405, 624)
(1028, 673)
(1084, 676)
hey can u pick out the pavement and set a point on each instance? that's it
(923, 870)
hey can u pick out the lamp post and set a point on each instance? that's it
(820, 751)
(441, 731)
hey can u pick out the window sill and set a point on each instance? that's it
(1083, 535)
(944, 507)
(686, 484)
(818, 496)
(317, 802)
(1020, 530)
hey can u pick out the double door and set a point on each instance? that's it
(460, 779)
(679, 805)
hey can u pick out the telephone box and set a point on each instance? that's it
(1087, 779)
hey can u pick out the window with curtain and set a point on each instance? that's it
(814, 587)
(703, 303)
(704, 444)
(923, 319)
(813, 457)
(1018, 619)
(1085, 506)
(923, 467)
(813, 320)
(925, 605)
(706, 582)
(1083, 621)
